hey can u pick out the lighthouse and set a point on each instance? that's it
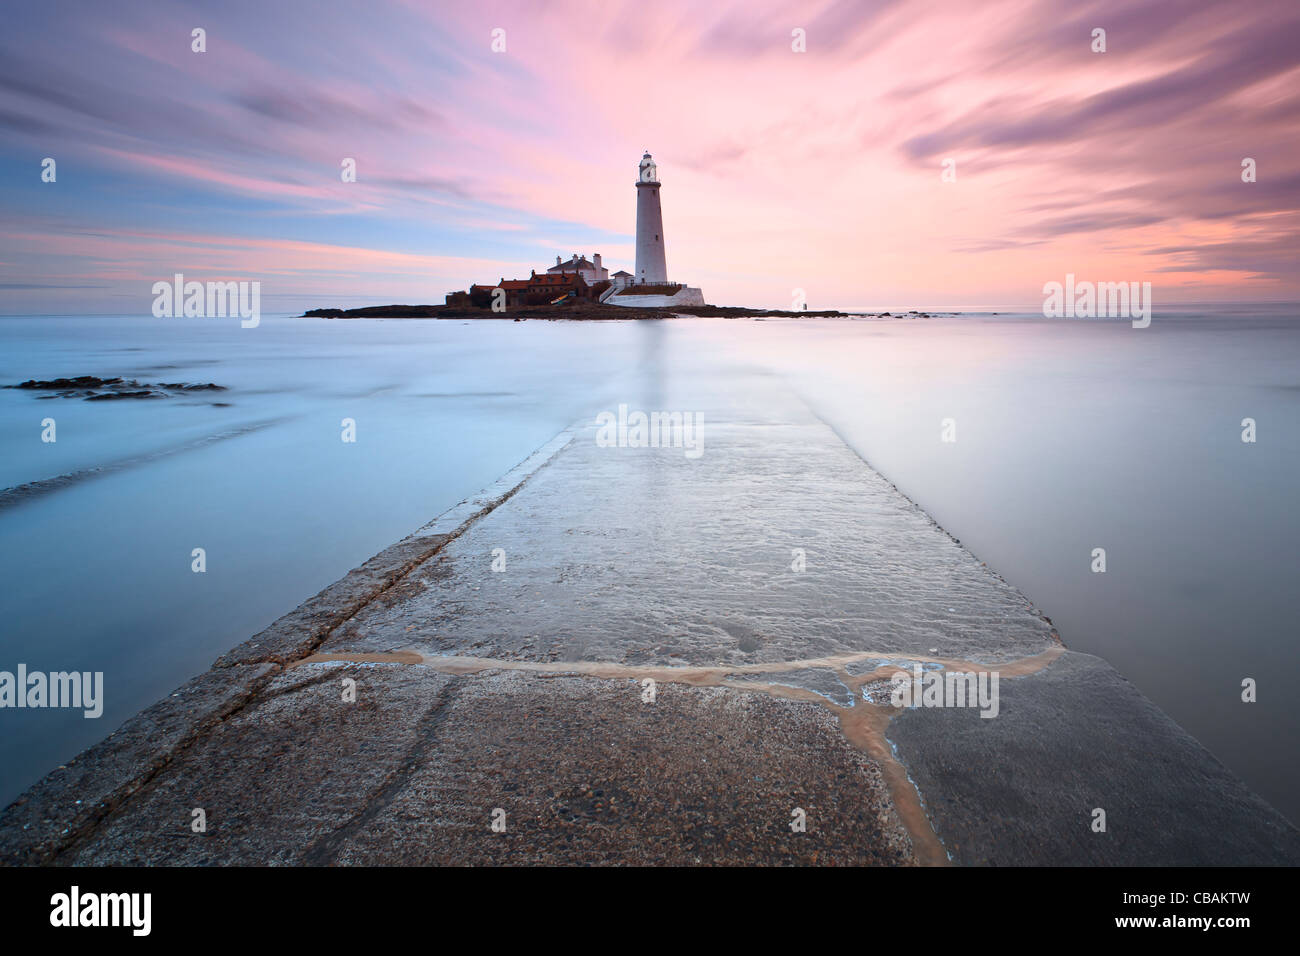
(649, 288)
(650, 264)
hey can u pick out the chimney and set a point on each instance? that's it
(596, 260)
(557, 260)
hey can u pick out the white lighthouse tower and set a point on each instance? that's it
(651, 267)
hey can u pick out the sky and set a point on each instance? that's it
(821, 171)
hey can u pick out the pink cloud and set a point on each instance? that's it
(817, 170)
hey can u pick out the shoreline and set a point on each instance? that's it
(560, 689)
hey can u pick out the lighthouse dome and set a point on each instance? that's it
(648, 172)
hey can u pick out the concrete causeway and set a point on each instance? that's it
(631, 655)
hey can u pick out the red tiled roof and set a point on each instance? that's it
(542, 282)
(509, 284)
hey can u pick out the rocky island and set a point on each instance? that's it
(572, 310)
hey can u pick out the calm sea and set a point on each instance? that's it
(1071, 435)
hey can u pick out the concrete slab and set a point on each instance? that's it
(411, 772)
(761, 594)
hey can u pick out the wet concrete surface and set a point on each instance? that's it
(645, 556)
(666, 665)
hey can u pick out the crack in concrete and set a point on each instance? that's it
(325, 850)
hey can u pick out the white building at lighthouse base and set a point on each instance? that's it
(630, 297)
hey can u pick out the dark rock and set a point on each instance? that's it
(95, 389)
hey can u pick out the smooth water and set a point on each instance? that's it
(1071, 435)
